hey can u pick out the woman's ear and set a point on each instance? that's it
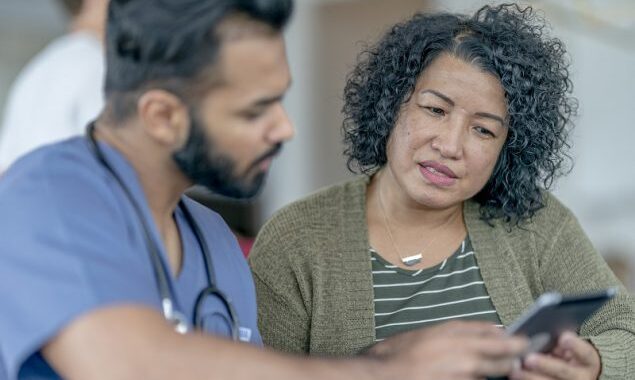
(165, 118)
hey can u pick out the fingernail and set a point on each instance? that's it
(530, 360)
(566, 338)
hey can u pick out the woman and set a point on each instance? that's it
(459, 126)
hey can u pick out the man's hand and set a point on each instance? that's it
(454, 350)
(132, 342)
(573, 358)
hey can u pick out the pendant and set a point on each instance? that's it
(412, 260)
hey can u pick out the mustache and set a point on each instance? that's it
(269, 154)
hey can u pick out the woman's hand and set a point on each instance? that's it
(573, 358)
(452, 350)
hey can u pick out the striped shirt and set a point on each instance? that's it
(406, 299)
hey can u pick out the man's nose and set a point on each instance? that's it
(282, 129)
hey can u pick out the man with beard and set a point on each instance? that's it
(109, 272)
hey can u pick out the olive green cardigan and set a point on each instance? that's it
(312, 271)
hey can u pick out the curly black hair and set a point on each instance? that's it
(506, 40)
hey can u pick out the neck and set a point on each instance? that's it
(161, 181)
(408, 234)
(403, 212)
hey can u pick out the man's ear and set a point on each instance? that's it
(164, 117)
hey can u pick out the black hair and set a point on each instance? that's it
(170, 44)
(506, 40)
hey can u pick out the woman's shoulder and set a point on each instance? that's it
(553, 213)
(554, 208)
(546, 223)
(324, 205)
(305, 226)
(550, 218)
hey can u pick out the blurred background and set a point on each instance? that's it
(324, 39)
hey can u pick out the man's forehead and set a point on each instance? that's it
(253, 60)
(240, 25)
(234, 35)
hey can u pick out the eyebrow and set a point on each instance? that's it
(266, 101)
(451, 102)
(440, 95)
(491, 116)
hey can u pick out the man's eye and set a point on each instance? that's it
(252, 114)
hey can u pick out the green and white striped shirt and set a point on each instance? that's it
(407, 299)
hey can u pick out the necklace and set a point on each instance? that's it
(408, 260)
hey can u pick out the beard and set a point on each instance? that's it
(201, 161)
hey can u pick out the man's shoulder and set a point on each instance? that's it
(70, 155)
(59, 174)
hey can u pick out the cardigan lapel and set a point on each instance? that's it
(501, 272)
(359, 317)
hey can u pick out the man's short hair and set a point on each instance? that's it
(173, 44)
(73, 7)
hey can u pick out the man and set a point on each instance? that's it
(60, 90)
(113, 273)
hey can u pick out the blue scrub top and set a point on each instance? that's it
(70, 243)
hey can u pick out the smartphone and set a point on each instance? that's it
(552, 314)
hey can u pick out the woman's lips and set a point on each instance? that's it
(437, 173)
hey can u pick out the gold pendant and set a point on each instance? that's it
(412, 260)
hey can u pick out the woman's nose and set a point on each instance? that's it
(449, 139)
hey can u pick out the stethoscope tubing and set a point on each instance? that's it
(160, 271)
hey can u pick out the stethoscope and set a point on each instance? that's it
(171, 314)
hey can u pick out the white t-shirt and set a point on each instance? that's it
(54, 96)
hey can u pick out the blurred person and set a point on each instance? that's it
(60, 90)
(109, 272)
(459, 125)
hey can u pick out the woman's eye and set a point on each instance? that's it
(484, 131)
(436, 111)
